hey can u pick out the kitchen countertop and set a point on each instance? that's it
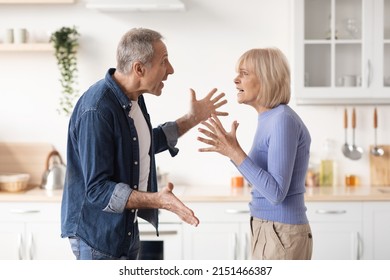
(225, 194)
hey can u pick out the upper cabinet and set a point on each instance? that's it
(341, 51)
(36, 1)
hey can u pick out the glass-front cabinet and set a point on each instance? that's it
(341, 51)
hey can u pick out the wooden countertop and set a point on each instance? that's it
(225, 194)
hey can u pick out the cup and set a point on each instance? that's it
(20, 35)
(237, 181)
(349, 81)
(9, 36)
(351, 180)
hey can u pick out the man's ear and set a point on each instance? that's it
(139, 69)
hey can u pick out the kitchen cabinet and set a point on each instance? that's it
(36, 1)
(376, 221)
(28, 47)
(31, 231)
(337, 230)
(341, 51)
(223, 232)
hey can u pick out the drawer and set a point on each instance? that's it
(31, 212)
(221, 211)
(334, 211)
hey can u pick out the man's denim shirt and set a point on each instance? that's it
(103, 168)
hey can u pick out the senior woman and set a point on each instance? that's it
(276, 164)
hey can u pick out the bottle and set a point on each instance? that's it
(327, 165)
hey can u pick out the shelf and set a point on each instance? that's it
(31, 47)
(37, 1)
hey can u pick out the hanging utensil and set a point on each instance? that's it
(346, 148)
(356, 152)
(376, 151)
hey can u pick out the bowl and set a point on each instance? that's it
(14, 182)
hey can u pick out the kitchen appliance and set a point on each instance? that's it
(54, 176)
(166, 246)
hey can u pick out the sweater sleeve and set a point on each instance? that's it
(278, 155)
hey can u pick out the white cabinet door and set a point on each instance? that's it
(337, 230)
(376, 221)
(43, 242)
(32, 231)
(212, 241)
(11, 241)
(222, 233)
(336, 241)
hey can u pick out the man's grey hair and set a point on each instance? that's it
(136, 45)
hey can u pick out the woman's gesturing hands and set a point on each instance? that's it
(221, 141)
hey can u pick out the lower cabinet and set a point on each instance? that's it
(376, 224)
(31, 231)
(223, 232)
(341, 231)
(337, 230)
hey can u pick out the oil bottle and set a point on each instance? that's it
(327, 165)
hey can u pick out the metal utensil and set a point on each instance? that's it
(376, 151)
(346, 148)
(356, 152)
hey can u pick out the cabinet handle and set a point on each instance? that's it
(369, 73)
(359, 246)
(235, 246)
(246, 247)
(236, 211)
(20, 247)
(164, 232)
(24, 211)
(332, 212)
(31, 247)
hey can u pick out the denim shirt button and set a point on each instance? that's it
(132, 210)
(135, 162)
(129, 233)
(135, 187)
(134, 138)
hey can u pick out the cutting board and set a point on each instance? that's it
(25, 158)
(380, 167)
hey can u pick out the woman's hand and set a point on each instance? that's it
(220, 140)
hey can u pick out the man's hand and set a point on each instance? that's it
(201, 110)
(171, 203)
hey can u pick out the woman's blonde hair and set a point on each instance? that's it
(271, 67)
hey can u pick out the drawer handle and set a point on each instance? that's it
(235, 211)
(332, 212)
(23, 211)
(163, 232)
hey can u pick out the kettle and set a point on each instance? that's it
(54, 176)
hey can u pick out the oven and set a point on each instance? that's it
(166, 246)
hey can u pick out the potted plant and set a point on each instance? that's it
(65, 43)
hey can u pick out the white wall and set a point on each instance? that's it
(203, 43)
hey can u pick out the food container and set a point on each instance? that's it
(14, 182)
